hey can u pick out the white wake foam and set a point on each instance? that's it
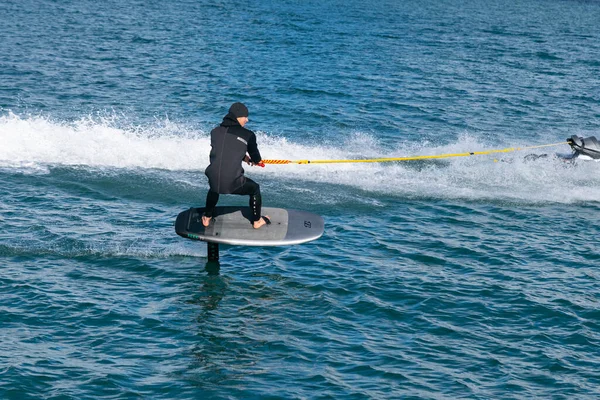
(35, 142)
(40, 141)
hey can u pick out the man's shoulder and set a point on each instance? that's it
(218, 129)
(241, 131)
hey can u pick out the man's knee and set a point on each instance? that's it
(252, 188)
(255, 189)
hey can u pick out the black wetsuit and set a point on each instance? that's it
(229, 144)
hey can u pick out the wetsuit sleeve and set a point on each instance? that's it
(253, 149)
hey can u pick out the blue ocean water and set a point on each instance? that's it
(469, 277)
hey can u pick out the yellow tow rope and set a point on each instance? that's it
(378, 160)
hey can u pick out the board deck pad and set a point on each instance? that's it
(231, 225)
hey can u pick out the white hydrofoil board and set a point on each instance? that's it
(232, 225)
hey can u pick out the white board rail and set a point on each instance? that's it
(233, 226)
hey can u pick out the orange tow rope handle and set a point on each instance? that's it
(276, 161)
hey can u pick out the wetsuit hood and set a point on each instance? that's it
(230, 120)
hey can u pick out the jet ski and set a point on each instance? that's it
(584, 148)
(587, 149)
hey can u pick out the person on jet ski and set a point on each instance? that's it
(585, 148)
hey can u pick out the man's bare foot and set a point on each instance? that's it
(206, 220)
(262, 221)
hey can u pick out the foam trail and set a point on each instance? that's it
(504, 177)
(34, 142)
(37, 141)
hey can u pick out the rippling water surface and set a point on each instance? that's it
(472, 277)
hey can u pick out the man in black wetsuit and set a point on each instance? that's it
(231, 144)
